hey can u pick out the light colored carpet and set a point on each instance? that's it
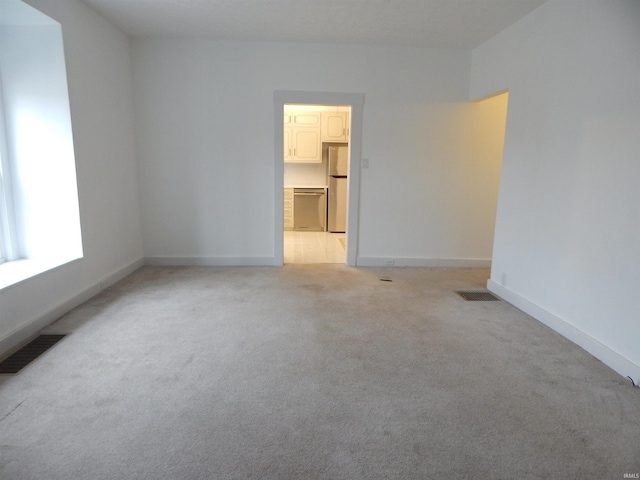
(312, 372)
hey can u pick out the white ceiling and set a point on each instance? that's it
(431, 23)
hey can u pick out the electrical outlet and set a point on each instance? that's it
(389, 262)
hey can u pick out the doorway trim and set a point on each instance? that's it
(356, 102)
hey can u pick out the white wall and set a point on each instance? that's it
(480, 151)
(567, 246)
(98, 60)
(204, 122)
(305, 174)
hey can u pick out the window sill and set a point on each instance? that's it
(13, 273)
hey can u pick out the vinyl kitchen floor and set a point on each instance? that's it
(313, 247)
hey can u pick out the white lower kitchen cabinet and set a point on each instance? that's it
(288, 208)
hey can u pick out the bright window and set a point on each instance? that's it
(39, 214)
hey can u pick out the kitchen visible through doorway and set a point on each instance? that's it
(315, 180)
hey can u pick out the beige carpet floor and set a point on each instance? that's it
(312, 372)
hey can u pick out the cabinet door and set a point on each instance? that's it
(287, 146)
(288, 209)
(307, 119)
(335, 126)
(302, 136)
(307, 147)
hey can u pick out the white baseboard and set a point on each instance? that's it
(423, 262)
(210, 261)
(30, 328)
(606, 355)
(360, 262)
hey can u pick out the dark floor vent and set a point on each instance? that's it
(478, 296)
(23, 357)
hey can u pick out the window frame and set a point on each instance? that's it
(8, 240)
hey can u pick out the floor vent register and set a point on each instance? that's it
(478, 296)
(27, 354)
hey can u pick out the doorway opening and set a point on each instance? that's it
(316, 158)
(317, 165)
(490, 123)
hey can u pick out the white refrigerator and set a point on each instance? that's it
(338, 160)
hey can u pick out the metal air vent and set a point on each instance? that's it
(478, 296)
(23, 357)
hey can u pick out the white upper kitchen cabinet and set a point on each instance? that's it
(287, 142)
(305, 145)
(303, 118)
(302, 136)
(335, 126)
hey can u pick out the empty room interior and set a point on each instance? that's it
(245, 228)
